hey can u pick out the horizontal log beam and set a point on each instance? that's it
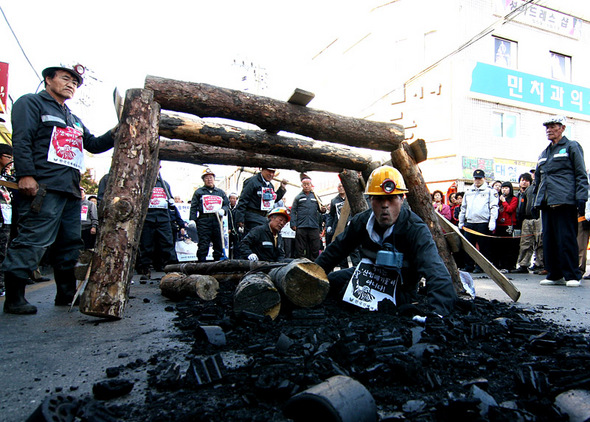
(205, 100)
(227, 136)
(187, 152)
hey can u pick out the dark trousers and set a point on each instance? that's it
(307, 243)
(560, 246)
(474, 239)
(57, 224)
(209, 232)
(88, 238)
(156, 236)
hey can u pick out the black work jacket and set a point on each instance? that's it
(251, 195)
(411, 237)
(260, 241)
(34, 117)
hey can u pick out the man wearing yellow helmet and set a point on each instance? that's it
(387, 222)
(265, 242)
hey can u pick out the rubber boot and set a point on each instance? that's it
(65, 283)
(15, 302)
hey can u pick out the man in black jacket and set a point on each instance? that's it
(387, 222)
(48, 142)
(265, 242)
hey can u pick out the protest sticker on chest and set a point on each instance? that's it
(159, 198)
(370, 285)
(211, 203)
(84, 213)
(267, 199)
(66, 147)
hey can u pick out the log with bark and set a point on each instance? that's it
(257, 294)
(177, 286)
(301, 281)
(355, 191)
(192, 129)
(420, 202)
(273, 115)
(227, 266)
(187, 152)
(132, 176)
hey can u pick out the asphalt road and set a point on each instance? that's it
(56, 351)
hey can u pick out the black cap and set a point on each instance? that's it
(479, 174)
(5, 149)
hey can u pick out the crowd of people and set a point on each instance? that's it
(544, 228)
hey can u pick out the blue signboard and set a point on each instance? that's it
(530, 89)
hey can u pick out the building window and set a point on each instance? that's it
(505, 53)
(561, 67)
(504, 125)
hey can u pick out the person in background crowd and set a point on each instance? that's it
(234, 232)
(156, 244)
(387, 222)
(333, 215)
(530, 227)
(264, 242)
(561, 191)
(6, 206)
(305, 220)
(93, 199)
(583, 236)
(258, 198)
(479, 212)
(439, 204)
(456, 208)
(89, 221)
(505, 246)
(42, 123)
(497, 185)
(208, 206)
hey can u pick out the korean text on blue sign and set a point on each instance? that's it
(531, 89)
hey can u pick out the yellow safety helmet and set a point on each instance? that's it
(385, 180)
(280, 211)
(207, 172)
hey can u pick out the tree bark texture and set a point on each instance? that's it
(227, 266)
(302, 282)
(177, 286)
(187, 152)
(226, 136)
(355, 191)
(257, 294)
(420, 202)
(273, 115)
(132, 176)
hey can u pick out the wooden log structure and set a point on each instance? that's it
(233, 137)
(132, 177)
(301, 281)
(228, 266)
(420, 201)
(177, 286)
(205, 100)
(187, 152)
(257, 294)
(354, 186)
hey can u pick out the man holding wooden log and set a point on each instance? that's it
(265, 242)
(48, 142)
(388, 225)
(258, 198)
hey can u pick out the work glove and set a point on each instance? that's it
(329, 230)
(253, 257)
(221, 212)
(492, 226)
(581, 207)
(461, 226)
(192, 224)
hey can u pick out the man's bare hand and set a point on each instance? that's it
(28, 186)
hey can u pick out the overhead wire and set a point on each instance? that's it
(19, 44)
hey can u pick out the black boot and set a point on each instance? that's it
(15, 302)
(65, 283)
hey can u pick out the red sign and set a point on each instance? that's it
(3, 85)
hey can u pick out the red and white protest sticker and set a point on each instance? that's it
(159, 198)
(211, 203)
(66, 147)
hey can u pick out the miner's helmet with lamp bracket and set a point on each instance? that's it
(76, 71)
(280, 211)
(207, 172)
(385, 180)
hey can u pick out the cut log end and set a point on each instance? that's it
(303, 282)
(256, 294)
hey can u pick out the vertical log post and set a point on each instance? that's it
(355, 192)
(420, 201)
(132, 176)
